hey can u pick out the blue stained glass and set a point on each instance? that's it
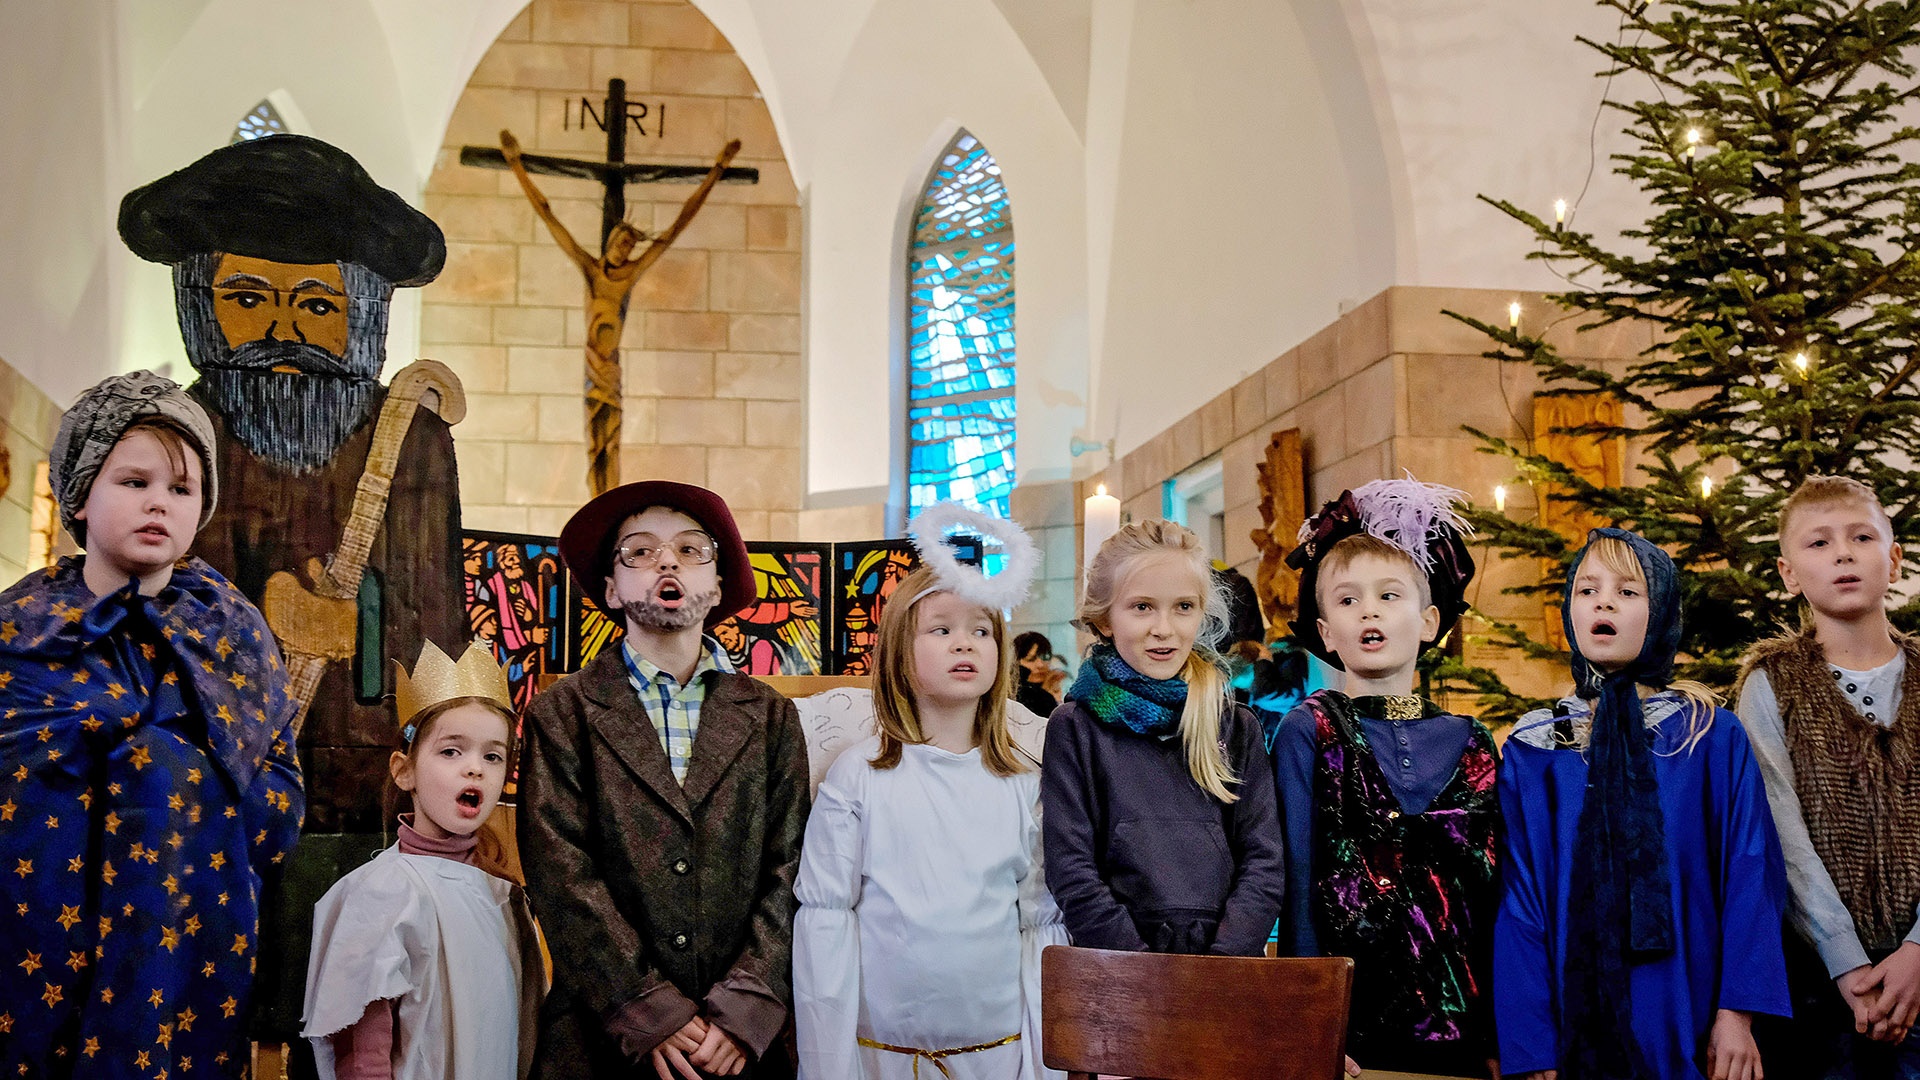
(960, 335)
(262, 120)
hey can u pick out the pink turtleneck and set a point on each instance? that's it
(458, 848)
(364, 1051)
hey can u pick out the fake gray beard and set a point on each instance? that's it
(298, 419)
(692, 611)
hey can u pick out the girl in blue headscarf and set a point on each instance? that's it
(1639, 922)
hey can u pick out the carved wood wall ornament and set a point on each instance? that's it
(1597, 460)
(1283, 509)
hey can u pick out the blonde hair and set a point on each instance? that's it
(893, 685)
(1618, 556)
(1201, 719)
(1356, 547)
(1819, 490)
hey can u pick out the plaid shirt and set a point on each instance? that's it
(673, 708)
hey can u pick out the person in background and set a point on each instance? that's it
(1040, 678)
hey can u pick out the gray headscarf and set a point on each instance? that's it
(93, 426)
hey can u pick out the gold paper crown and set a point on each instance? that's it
(436, 679)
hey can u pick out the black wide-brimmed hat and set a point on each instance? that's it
(1417, 518)
(287, 199)
(588, 539)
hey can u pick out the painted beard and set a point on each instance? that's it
(654, 615)
(292, 419)
(298, 419)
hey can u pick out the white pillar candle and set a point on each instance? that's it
(1103, 520)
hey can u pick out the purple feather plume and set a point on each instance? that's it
(1406, 512)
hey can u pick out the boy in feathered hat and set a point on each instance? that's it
(664, 801)
(147, 776)
(1388, 802)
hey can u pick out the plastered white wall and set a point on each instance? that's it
(1196, 187)
(59, 71)
(892, 113)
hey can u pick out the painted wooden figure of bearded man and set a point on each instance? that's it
(285, 255)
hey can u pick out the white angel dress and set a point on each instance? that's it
(923, 911)
(456, 947)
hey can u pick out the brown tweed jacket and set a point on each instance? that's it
(661, 900)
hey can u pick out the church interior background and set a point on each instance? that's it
(1234, 219)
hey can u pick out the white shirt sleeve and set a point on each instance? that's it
(826, 929)
(1040, 926)
(1813, 904)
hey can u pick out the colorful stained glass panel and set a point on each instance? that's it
(960, 336)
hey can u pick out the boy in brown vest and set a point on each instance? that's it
(1833, 713)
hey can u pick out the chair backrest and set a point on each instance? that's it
(1193, 1017)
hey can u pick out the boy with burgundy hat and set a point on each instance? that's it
(663, 804)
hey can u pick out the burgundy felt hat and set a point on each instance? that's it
(587, 542)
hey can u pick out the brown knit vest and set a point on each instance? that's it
(1858, 783)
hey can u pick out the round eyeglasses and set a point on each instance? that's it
(643, 551)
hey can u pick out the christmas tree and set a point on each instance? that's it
(1780, 267)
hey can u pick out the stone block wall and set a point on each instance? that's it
(1047, 512)
(28, 420)
(711, 352)
(1387, 387)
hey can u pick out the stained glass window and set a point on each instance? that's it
(263, 119)
(960, 376)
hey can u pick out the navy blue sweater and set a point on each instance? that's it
(1140, 858)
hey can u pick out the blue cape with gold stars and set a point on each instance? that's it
(147, 779)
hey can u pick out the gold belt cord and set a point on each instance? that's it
(935, 1055)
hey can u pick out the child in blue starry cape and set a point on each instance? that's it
(147, 773)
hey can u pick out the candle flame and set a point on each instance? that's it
(1706, 487)
(1513, 315)
(1559, 211)
(1500, 498)
(1800, 362)
(1693, 136)
(1101, 490)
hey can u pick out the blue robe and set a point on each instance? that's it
(147, 778)
(1728, 884)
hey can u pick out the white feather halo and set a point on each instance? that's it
(1003, 591)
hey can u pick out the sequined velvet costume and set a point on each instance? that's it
(1400, 876)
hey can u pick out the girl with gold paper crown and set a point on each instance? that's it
(426, 966)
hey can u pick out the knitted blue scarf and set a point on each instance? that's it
(1118, 695)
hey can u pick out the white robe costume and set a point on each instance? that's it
(448, 941)
(923, 911)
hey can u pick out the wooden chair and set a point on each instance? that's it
(1193, 1017)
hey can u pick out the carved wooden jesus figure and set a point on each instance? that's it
(610, 278)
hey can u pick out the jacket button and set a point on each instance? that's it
(1385, 882)
(1393, 815)
(681, 866)
(679, 941)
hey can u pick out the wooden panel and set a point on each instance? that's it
(1599, 461)
(1153, 1014)
(795, 686)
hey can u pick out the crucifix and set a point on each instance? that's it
(611, 275)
